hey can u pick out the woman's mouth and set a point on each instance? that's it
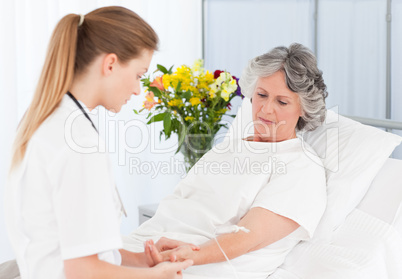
(265, 121)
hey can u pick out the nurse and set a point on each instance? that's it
(62, 207)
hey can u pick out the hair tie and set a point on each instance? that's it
(81, 19)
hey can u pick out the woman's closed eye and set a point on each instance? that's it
(282, 103)
(262, 95)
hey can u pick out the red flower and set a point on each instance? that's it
(217, 73)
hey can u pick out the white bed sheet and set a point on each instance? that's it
(368, 245)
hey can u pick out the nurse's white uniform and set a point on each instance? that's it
(60, 201)
(285, 177)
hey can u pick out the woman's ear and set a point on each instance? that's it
(109, 64)
(301, 112)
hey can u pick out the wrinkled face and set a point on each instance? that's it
(126, 80)
(275, 108)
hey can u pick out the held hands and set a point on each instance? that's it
(165, 244)
(180, 254)
(167, 250)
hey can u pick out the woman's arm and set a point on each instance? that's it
(91, 267)
(265, 228)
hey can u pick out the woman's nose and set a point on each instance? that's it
(268, 107)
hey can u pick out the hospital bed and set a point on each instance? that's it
(360, 235)
(365, 239)
(368, 245)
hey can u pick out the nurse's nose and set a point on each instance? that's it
(137, 89)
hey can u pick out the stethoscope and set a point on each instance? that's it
(122, 209)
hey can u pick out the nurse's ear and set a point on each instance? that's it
(110, 62)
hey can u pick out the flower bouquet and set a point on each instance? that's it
(191, 103)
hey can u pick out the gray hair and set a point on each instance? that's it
(302, 77)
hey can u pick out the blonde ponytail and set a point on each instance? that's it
(55, 79)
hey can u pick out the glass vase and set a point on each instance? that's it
(194, 147)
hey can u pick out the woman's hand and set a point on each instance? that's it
(179, 254)
(172, 270)
(164, 244)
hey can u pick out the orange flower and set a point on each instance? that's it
(158, 83)
(150, 102)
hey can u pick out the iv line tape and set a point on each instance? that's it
(230, 229)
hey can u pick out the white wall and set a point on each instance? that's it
(351, 45)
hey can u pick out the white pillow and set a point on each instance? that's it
(352, 154)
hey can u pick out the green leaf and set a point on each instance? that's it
(178, 86)
(167, 122)
(170, 70)
(175, 125)
(187, 95)
(162, 69)
(146, 82)
(182, 136)
(157, 92)
(138, 112)
(156, 118)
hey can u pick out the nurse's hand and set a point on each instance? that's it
(167, 270)
(152, 254)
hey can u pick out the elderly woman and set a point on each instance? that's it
(258, 196)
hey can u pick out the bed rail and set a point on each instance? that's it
(380, 123)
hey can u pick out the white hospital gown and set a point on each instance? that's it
(285, 178)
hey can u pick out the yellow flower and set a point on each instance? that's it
(232, 86)
(212, 93)
(183, 72)
(195, 101)
(166, 81)
(198, 65)
(176, 103)
(209, 77)
(189, 118)
(225, 95)
(224, 77)
(228, 87)
(213, 89)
